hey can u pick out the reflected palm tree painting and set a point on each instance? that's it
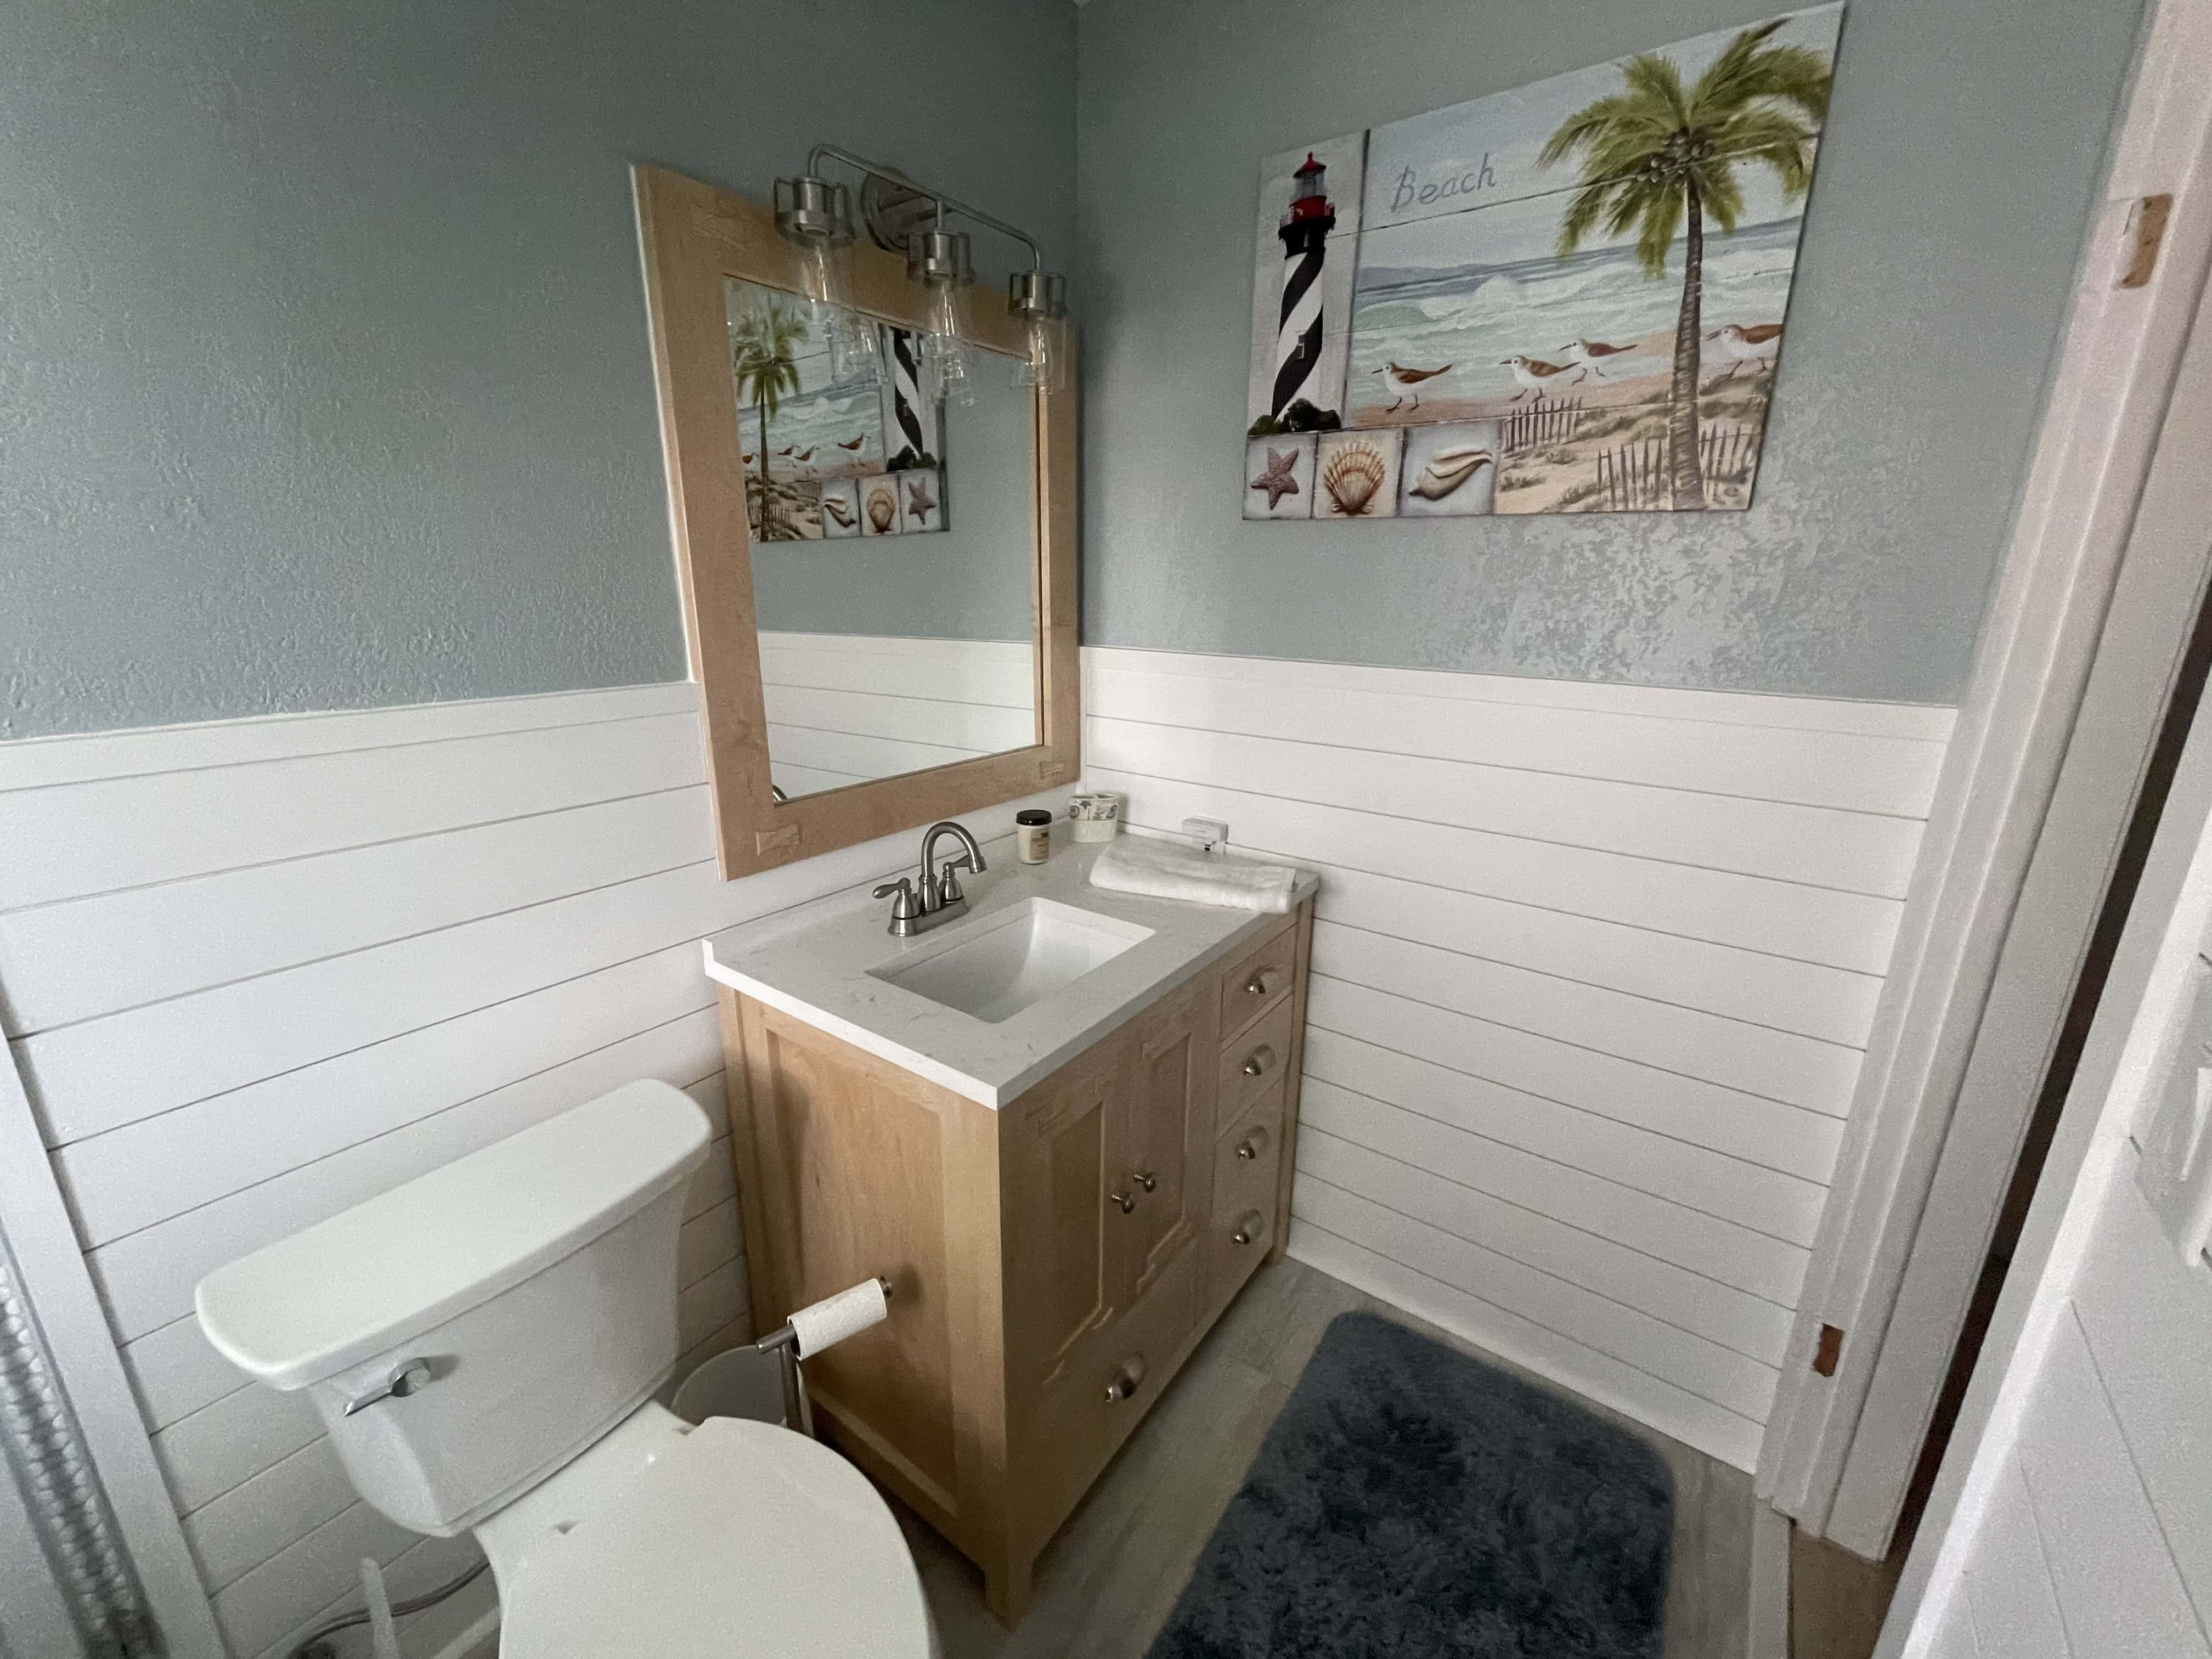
(808, 432)
(1584, 282)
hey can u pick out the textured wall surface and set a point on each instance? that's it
(324, 379)
(1962, 153)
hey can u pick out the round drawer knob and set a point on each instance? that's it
(1128, 1376)
(1253, 1144)
(1256, 1063)
(1124, 1202)
(1250, 1228)
(1146, 1179)
(1257, 986)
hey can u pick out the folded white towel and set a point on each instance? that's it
(1166, 869)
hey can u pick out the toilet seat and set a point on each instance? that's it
(742, 1539)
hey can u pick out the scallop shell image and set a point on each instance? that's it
(883, 509)
(1352, 474)
(1448, 469)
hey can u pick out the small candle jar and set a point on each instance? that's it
(1033, 835)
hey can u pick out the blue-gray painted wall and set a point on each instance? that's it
(324, 379)
(1962, 154)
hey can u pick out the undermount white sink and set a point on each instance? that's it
(1009, 959)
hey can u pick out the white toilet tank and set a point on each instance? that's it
(527, 1292)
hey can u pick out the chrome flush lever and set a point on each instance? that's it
(410, 1378)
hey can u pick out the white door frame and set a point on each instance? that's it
(44, 1243)
(2145, 997)
(2017, 853)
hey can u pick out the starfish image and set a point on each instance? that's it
(918, 501)
(1275, 478)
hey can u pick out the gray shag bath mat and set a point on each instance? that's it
(1410, 1501)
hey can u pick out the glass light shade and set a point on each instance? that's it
(944, 357)
(856, 350)
(1045, 367)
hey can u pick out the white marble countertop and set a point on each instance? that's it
(812, 963)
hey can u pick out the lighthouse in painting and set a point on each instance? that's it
(1304, 231)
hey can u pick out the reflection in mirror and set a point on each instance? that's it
(892, 545)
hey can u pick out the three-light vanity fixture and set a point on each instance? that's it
(815, 213)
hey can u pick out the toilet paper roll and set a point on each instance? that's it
(837, 1317)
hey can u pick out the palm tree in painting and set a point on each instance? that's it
(1658, 158)
(763, 345)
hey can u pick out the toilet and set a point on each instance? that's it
(483, 1344)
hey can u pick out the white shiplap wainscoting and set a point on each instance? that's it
(255, 972)
(845, 708)
(1593, 971)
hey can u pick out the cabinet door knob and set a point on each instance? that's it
(1146, 1179)
(1257, 1062)
(1126, 1380)
(1253, 1145)
(1123, 1201)
(1250, 1228)
(1257, 984)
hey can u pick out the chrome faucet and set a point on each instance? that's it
(939, 897)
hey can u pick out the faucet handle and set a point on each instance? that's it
(903, 908)
(949, 890)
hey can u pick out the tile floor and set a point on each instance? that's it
(1106, 1583)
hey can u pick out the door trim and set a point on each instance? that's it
(1966, 941)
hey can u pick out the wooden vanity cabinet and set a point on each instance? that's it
(1052, 1262)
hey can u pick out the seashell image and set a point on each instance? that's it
(1352, 474)
(883, 509)
(837, 510)
(1448, 469)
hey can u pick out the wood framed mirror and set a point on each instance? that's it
(879, 586)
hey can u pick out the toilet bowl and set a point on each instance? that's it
(483, 1344)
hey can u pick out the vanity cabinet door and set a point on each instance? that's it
(1161, 1191)
(1058, 1153)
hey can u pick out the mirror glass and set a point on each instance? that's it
(892, 544)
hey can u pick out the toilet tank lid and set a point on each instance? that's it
(367, 1279)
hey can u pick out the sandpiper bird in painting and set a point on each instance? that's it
(1403, 381)
(852, 443)
(1538, 376)
(1753, 345)
(804, 456)
(1596, 355)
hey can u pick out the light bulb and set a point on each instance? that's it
(945, 360)
(1044, 368)
(855, 351)
(942, 351)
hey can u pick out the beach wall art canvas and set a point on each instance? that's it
(824, 457)
(1567, 297)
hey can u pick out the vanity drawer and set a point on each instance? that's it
(1253, 1063)
(1077, 1425)
(1260, 980)
(1246, 1165)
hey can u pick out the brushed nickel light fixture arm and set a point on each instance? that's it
(943, 202)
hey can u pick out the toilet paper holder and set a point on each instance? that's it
(818, 1326)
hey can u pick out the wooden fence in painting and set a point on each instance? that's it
(1553, 422)
(1638, 476)
(1633, 478)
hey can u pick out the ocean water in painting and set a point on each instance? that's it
(1472, 316)
(815, 429)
